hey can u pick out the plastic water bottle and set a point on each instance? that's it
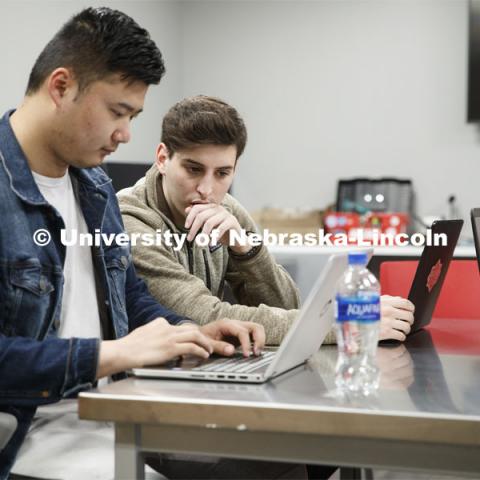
(357, 326)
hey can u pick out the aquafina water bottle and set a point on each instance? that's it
(357, 327)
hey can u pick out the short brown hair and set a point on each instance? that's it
(203, 120)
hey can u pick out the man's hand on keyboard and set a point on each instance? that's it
(243, 332)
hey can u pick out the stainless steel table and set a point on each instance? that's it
(426, 415)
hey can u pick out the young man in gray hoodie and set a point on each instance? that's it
(185, 194)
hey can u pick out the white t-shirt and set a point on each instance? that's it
(79, 316)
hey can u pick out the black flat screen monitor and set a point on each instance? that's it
(125, 174)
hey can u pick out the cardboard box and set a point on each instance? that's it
(278, 220)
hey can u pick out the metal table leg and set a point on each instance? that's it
(129, 462)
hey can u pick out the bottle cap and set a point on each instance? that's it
(357, 258)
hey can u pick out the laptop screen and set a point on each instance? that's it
(475, 216)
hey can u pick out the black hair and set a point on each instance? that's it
(96, 43)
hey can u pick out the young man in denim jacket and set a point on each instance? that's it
(72, 315)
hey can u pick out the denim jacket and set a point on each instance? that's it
(37, 367)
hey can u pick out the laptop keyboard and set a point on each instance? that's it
(237, 364)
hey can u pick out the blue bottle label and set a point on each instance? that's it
(359, 309)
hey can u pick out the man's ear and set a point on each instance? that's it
(60, 85)
(162, 157)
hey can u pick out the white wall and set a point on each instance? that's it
(328, 88)
(26, 27)
(335, 89)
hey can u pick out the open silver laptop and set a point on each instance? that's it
(302, 340)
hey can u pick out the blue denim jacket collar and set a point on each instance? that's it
(16, 165)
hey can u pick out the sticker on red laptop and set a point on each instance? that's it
(434, 275)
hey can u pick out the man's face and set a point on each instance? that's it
(202, 174)
(91, 125)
